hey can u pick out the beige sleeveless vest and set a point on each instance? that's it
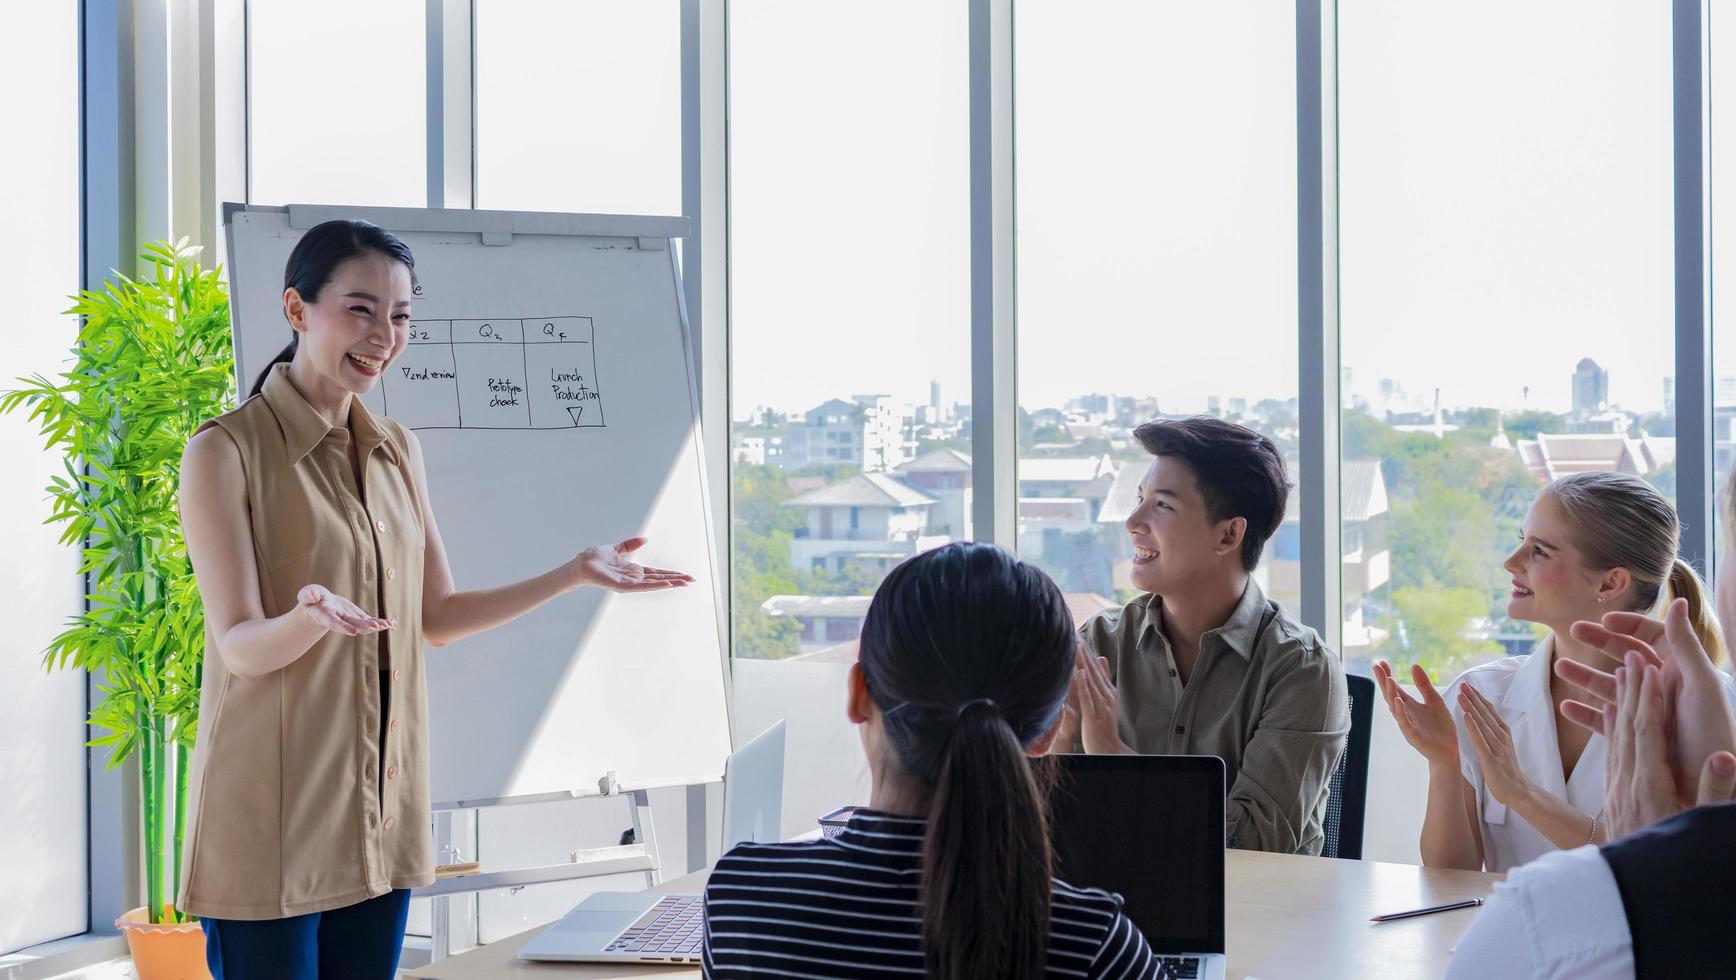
(294, 805)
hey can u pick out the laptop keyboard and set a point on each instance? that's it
(672, 927)
(1181, 967)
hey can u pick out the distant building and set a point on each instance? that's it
(945, 475)
(1554, 455)
(750, 450)
(1086, 477)
(867, 433)
(1590, 388)
(1608, 422)
(826, 620)
(1367, 554)
(869, 519)
(1044, 520)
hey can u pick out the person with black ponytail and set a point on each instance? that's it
(966, 657)
(322, 573)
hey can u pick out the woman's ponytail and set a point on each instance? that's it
(1684, 583)
(283, 357)
(968, 653)
(1621, 521)
(986, 862)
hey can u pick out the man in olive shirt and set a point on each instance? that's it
(1204, 663)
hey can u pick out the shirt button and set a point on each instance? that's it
(394, 725)
(391, 573)
(1172, 672)
(392, 772)
(389, 822)
(396, 672)
(1180, 729)
(380, 526)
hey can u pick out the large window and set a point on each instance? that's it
(1507, 306)
(1156, 200)
(850, 326)
(42, 811)
(578, 106)
(337, 108)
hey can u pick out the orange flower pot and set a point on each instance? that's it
(164, 951)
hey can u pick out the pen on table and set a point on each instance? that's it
(1469, 903)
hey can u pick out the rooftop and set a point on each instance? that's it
(937, 461)
(862, 490)
(816, 606)
(1554, 455)
(1065, 469)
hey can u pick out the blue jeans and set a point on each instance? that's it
(356, 942)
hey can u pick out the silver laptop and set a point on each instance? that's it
(640, 927)
(1149, 828)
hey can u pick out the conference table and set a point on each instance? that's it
(1286, 916)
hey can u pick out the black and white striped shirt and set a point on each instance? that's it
(847, 907)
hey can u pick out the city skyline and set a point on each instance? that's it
(1386, 393)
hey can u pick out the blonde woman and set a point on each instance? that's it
(1508, 782)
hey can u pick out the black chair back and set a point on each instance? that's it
(1347, 802)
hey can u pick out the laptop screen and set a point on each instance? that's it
(1151, 829)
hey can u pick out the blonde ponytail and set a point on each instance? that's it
(1684, 583)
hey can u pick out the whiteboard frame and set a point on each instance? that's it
(497, 228)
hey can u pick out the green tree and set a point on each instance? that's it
(763, 529)
(1433, 628)
(1526, 425)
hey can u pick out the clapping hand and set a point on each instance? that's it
(1642, 778)
(1098, 705)
(1695, 717)
(609, 567)
(337, 614)
(1426, 724)
(1493, 742)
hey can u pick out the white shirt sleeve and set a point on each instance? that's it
(1558, 918)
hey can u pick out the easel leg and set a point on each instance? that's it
(645, 834)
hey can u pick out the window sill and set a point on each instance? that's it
(52, 959)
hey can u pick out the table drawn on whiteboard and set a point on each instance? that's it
(503, 373)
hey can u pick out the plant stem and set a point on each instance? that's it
(181, 760)
(151, 803)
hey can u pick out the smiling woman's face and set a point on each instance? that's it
(1552, 584)
(359, 324)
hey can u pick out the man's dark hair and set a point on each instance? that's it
(1239, 471)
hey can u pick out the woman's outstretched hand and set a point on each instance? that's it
(1426, 723)
(338, 614)
(609, 567)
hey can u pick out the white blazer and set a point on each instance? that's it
(1518, 687)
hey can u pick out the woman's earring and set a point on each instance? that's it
(1600, 600)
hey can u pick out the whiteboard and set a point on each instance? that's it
(550, 381)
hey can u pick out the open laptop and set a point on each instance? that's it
(1149, 828)
(640, 927)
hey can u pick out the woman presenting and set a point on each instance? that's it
(322, 572)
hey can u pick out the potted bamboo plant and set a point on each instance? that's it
(153, 360)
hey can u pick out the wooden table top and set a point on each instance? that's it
(1286, 917)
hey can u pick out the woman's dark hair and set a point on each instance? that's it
(315, 259)
(968, 652)
(1240, 473)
